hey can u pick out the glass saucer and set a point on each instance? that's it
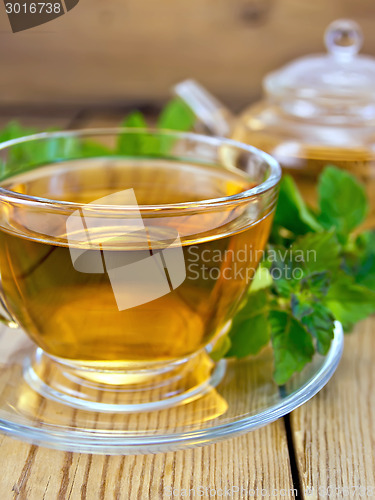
(246, 398)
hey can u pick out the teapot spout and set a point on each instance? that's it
(211, 112)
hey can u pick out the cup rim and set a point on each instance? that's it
(243, 196)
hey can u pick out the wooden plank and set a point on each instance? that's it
(256, 460)
(334, 433)
(122, 50)
(34, 120)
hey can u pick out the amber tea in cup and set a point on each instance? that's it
(124, 268)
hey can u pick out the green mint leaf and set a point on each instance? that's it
(292, 212)
(315, 284)
(292, 345)
(135, 120)
(128, 143)
(318, 320)
(299, 266)
(317, 252)
(29, 154)
(92, 149)
(250, 330)
(262, 279)
(342, 201)
(16, 157)
(138, 144)
(13, 130)
(177, 116)
(282, 270)
(360, 262)
(348, 301)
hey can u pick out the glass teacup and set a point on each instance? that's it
(124, 255)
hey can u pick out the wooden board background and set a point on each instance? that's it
(116, 51)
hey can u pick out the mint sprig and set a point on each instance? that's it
(335, 279)
(342, 201)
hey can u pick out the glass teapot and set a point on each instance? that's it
(317, 110)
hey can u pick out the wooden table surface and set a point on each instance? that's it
(324, 449)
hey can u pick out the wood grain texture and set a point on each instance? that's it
(334, 433)
(118, 50)
(256, 460)
(36, 122)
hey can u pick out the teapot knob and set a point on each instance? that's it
(343, 39)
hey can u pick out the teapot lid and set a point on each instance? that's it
(341, 74)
